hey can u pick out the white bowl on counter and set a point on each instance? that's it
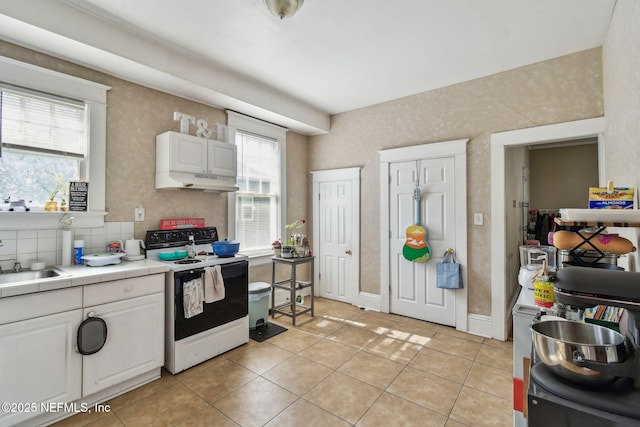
(98, 260)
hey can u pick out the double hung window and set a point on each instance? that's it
(255, 210)
(52, 131)
(44, 145)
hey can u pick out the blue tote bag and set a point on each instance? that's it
(448, 272)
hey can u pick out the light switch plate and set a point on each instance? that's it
(478, 219)
(139, 214)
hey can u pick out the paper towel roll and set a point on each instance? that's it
(66, 247)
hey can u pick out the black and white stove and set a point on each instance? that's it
(220, 325)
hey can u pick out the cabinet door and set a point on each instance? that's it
(188, 154)
(222, 159)
(134, 345)
(39, 363)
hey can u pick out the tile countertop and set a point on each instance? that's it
(79, 275)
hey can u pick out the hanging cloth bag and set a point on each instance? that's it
(448, 272)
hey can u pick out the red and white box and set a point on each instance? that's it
(173, 223)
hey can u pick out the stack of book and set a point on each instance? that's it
(605, 315)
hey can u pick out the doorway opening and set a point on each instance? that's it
(508, 158)
(553, 176)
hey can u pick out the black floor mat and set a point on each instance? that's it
(262, 333)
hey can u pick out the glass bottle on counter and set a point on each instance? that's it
(191, 248)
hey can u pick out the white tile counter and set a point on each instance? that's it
(79, 275)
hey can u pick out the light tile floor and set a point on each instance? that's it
(343, 367)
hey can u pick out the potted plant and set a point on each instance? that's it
(298, 241)
(51, 205)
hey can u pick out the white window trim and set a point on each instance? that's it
(95, 95)
(259, 127)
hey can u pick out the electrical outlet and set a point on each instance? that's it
(139, 214)
(478, 219)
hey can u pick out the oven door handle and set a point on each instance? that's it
(186, 275)
(235, 269)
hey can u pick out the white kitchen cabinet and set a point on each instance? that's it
(187, 153)
(178, 152)
(133, 310)
(38, 361)
(134, 345)
(222, 158)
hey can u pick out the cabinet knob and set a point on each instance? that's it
(348, 252)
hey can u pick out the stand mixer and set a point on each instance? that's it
(554, 400)
(584, 287)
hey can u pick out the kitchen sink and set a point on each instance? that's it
(12, 277)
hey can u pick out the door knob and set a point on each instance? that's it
(348, 252)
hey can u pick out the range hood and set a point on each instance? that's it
(192, 181)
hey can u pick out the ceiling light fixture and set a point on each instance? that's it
(283, 8)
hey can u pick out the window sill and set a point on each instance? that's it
(257, 259)
(48, 220)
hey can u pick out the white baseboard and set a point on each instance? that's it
(479, 325)
(368, 301)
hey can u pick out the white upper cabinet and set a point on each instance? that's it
(188, 154)
(222, 158)
(178, 152)
(186, 161)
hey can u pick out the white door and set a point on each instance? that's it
(135, 342)
(336, 234)
(413, 284)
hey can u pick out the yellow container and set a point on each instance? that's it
(51, 206)
(543, 293)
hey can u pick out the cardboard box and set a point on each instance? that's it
(618, 198)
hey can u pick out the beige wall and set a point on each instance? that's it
(621, 62)
(135, 115)
(621, 65)
(559, 90)
(560, 177)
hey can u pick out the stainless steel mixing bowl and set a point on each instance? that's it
(561, 345)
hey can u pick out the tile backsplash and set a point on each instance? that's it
(26, 246)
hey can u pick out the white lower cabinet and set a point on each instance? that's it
(39, 358)
(134, 345)
(38, 364)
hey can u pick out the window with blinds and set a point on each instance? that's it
(259, 191)
(44, 145)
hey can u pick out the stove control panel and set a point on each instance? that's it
(158, 239)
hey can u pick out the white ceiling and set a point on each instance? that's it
(332, 56)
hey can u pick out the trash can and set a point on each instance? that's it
(259, 304)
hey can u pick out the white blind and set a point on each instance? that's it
(259, 186)
(38, 122)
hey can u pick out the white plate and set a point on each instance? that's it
(96, 260)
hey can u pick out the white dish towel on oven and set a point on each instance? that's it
(213, 284)
(192, 296)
